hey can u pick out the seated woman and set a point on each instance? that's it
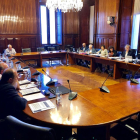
(103, 52)
(128, 52)
(112, 52)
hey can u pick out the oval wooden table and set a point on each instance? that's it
(91, 108)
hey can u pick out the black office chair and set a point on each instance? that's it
(69, 48)
(57, 47)
(26, 50)
(46, 47)
(24, 131)
(126, 130)
(40, 49)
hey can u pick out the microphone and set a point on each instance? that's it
(104, 88)
(26, 67)
(132, 80)
(17, 62)
(13, 58)
(51, 82)
(72, 95)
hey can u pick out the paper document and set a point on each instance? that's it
(22, 82)
(34, 96)
(29, 91)
(27, 86)
(41, 106)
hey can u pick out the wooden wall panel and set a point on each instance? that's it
(19, 24)
(84, 24)
(18, 17)
(103, 31)
(125, 23)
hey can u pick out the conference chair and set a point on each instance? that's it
(40, 49)
(57, 47)
(24, 131)
(27, 50)
(69, 48)
(129, 129)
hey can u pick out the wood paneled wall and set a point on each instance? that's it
(76, 26)
(125, 24)
(104, 33)
(19, 24)
(119, 34)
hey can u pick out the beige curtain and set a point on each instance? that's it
(137, 7)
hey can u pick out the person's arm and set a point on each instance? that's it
(15, 100)
(106, 52)
(99, 51)
(14, 51)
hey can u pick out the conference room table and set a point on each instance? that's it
(71, 59)
(94, 59)
(38, 56)
(91, 108)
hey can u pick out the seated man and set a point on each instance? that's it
(10, 102)
(3, 66)
(128, 52)
(10, 51)
(91, 50)
(84, 48)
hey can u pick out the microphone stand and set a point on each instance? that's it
(51, 82)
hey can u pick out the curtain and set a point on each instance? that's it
(137, 7)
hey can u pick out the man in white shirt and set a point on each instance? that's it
(3, 66)
(10, 50)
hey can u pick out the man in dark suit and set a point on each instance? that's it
(84, 48)
(10, 102)
(128, 52)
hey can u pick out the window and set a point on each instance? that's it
(44, 24)
(135, 31)
(51, 26)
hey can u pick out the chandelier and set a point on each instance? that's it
(65, 5)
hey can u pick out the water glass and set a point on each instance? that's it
(39, 79)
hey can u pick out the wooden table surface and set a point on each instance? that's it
(91, 108)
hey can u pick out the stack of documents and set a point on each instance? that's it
(41, 106)
(24, 82)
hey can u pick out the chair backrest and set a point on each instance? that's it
(40, 49)
(51, 48)
(25, 131)
(57, 47)
(118, 53)
(26, 50)
(46, 47)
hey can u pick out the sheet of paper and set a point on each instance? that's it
(22, 82)
(41, 106)
(34, 96)
(29, 91)
(28, 86)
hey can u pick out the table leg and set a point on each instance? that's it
(93, 65)
(108, 132)
(71, 59)
(39, 61)
(64, 59)
(117, 71)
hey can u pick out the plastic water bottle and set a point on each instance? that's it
(39, 79)
(120, 56)
(7, 59)
(29, 74)
(58, 96)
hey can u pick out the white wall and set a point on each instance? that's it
(91, 25)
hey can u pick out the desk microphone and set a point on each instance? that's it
(13, 58)
(104, 88)
(72, 95)
(132, 80)
(51, 82)
(17, 62)
(26, 67)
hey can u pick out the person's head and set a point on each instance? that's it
(84, 44)
(102, 47)
(127, 47)
(111, 49)
(10, 76)
(3, 66)
(10, 47)
(90, 46)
